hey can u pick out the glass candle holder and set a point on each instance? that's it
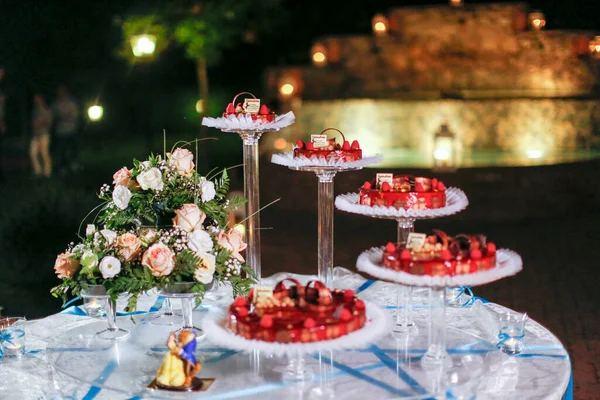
(512, 332)
(94, 307)
(12, 337)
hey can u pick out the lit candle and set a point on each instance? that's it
(94, 304)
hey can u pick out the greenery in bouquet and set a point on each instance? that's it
(160, 223)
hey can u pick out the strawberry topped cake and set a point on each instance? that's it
(403, 191)
(440, 254)
(251, 107)
(296, 314)
(321, 146)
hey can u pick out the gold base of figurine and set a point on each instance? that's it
(198, 385)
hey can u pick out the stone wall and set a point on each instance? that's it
(509, 124)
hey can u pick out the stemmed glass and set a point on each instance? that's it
(112, 332)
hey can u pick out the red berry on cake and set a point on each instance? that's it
(238, 108)
(405, 255)
(476, 254)
(434, 183)
(346, 146)
(310, 146)
(240, 302)
(390, 247)
(446, 255)
(309, 323)
(367, 185)
(266, 321)
(360, 305)
(345, 315)
(264, 110)
(355, 145)
(385, 187)
(440, 186)
(242, 312)
(300, 144)
(491, 248)
(348, 295)
(230, 108)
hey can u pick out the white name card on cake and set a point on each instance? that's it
(383, 177)
(415, 240)
(319, 140)
(251, 106)
(261, 293)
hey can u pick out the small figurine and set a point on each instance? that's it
(179, 366)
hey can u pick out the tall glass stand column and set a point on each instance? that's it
(436, 355)
(252, 193)
(325, 227)
(404, 297)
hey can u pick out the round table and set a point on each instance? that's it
(63, 359)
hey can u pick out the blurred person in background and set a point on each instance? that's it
(66, 118)
(39, 146)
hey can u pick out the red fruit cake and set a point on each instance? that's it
(403, 191)
(442, 255)
(321, 146)
(250, 106)
(297, 314)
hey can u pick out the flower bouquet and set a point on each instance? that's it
(161, 223)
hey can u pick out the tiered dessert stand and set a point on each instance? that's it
(251, 131)
(456, 201)
(508, 263)
(325, 170)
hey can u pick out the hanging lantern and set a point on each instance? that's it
(380, 25)
(537, 20)
(595, 47)
(319, 55)
(444, 148)
(456, 3)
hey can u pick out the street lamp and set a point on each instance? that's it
(319, 55)
(95, 113)
(444, 148)
(595, 47)
(143, 45)
(380, 25)
(537, 20)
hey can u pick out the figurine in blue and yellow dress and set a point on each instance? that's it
(179, 366)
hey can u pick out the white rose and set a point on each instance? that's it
(90, 229)
(206, 269)
(199, 241)
(151, 179)
(109, 235)
(208, 190)
(121, 197)
(109, 267)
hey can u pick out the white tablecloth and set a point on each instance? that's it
(389, 368)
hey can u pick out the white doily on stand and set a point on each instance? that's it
(288, 160)
(508, 263)
(377, 324)
(456, 201)
(244, 122)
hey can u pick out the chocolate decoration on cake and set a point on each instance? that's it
(330, 149)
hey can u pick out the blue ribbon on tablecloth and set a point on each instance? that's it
(365, 286)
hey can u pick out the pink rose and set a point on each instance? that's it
(233, 242)
(129, 246)
(122, 177)
(160, 259)
(189, 217)
(182, 160)
(64, 266)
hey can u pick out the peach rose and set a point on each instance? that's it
(122, 177)
(182, 160)
(233, 242)
(64, 266)
(129, 246)
(189, 217)
(160, 259)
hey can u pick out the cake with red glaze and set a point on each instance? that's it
(403, 191)
(442, 255)
(321, 146)
(251, 107)
(297, 314)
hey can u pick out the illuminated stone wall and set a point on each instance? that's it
(511, 125)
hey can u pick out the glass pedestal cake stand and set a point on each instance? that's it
(508, 263)
(297, 370)
(456, 201)
(325, 173)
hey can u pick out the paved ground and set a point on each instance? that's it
(549, 215)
